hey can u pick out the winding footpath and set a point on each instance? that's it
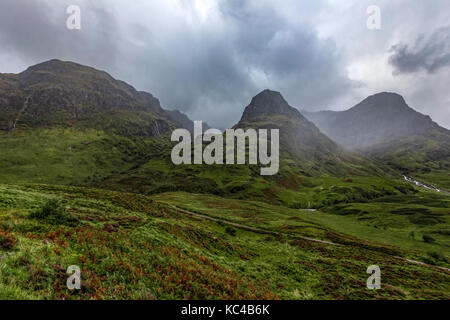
(255, 229)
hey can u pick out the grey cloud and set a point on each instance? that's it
(36, 31)
(211, 69)
(205, 71)
(430, 53)
(218, 80)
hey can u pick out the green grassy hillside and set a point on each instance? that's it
(426, 158)
(133, 247)
(293, 186)
(388, 221)
(70, 155)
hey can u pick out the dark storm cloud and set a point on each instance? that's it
(430, 53)
(210, 70)
(210, 57)
(305, 68)
(214, 72)
(36, 31)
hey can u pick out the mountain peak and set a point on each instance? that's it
(384, 100)
(54, 65)
(269, 98)
(68, 76)
(49, 63)
(59, 92)
(299, 138)
(269, 93)
(269, 102)
(379, 118)
(387, 95)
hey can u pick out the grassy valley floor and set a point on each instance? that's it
(131, 246)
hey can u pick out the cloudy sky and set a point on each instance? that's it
(209, 57)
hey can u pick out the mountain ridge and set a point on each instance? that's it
(380, 117)
(269, 102)
(59, 92)
(385, 128)
(269, 110)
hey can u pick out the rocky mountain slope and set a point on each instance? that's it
(184, 121)
(65, 93)
(384, 127)
(299, 137)
(306, 156)
(68, 123)
(377, 119)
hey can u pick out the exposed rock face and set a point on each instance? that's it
(299, 138)
(66, 93)
(269, 103)
(84, 86)
(377, 119)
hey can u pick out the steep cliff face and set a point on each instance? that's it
(299, 137)
(268, 103)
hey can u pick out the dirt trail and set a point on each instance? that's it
(255, 229)
(422, 263)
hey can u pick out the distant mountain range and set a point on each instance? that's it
(66, 93)
(300, 139)
(385, 128)
(87, 179)
(183, 120)
(129, 137)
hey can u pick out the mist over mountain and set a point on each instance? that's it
(377, 119)
(111, 190)
(300, 139)
(385, 128)
(184, 121)
(299, 136)
(57, 94)
(268, 103)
